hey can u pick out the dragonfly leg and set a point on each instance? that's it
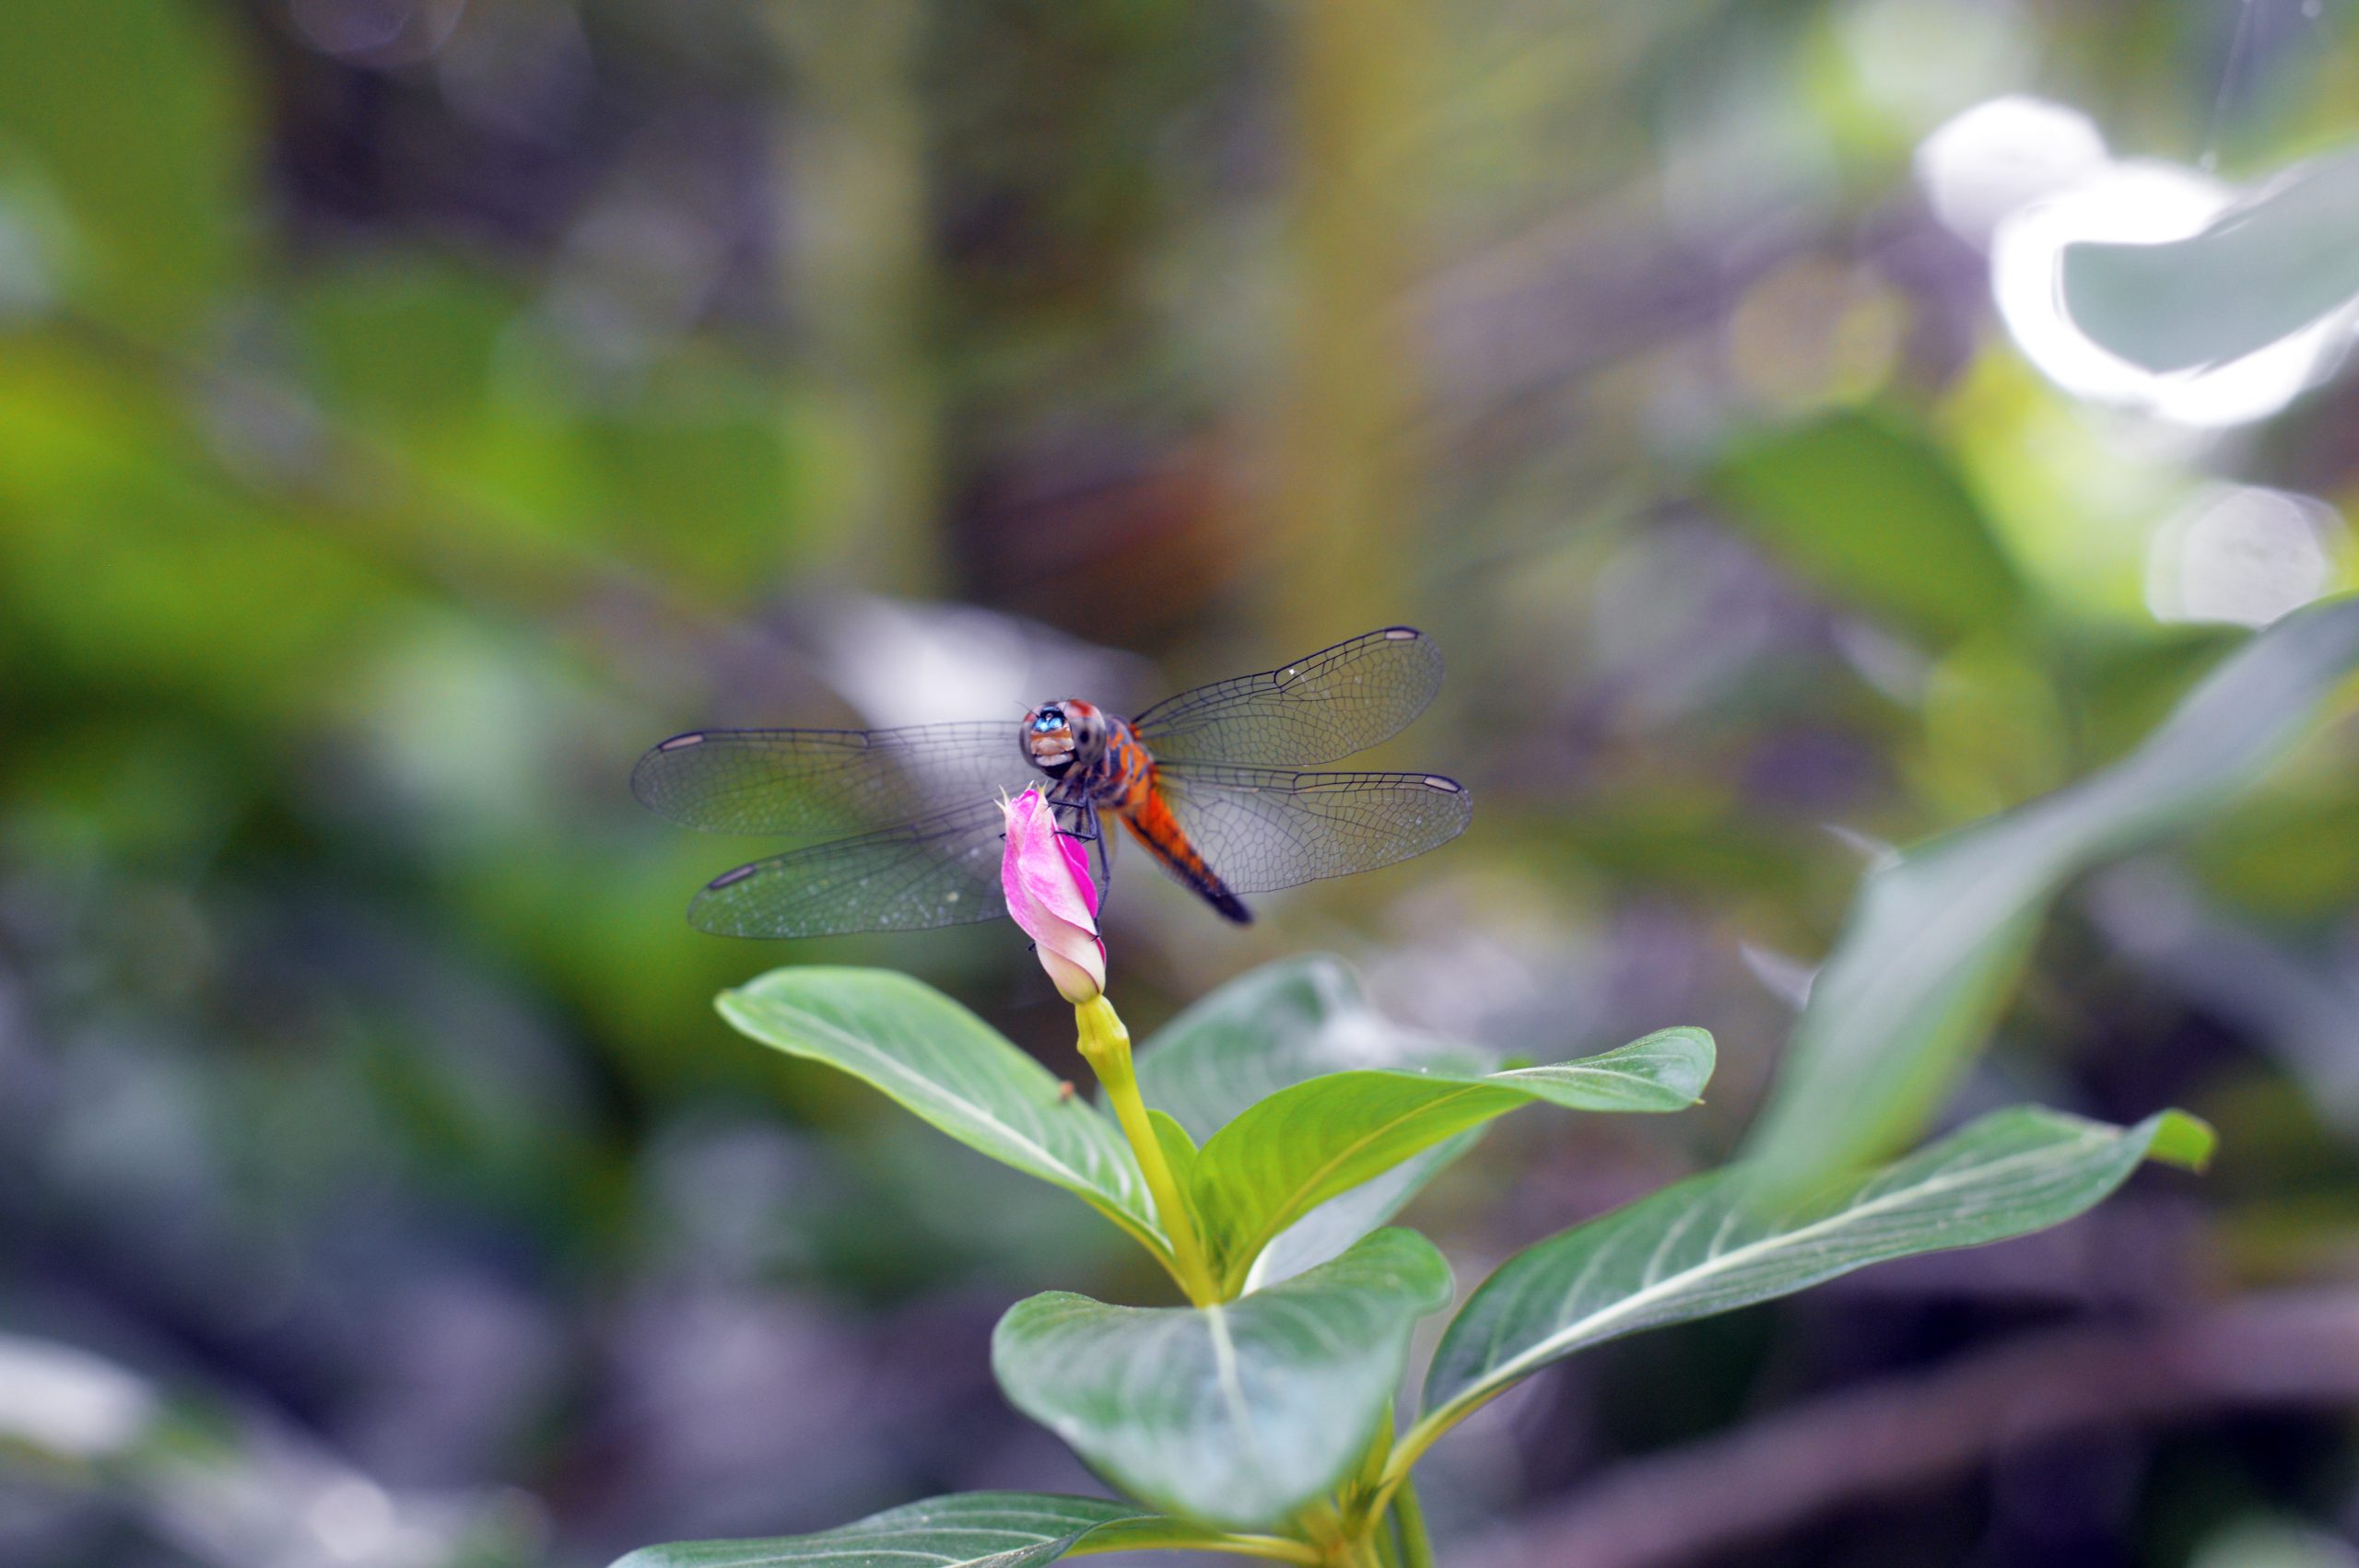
(1086, 828)
(1105, 859)
(1077, 818)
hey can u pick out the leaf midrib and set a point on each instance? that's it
(1508, 1370)
(1292, 1204)
(1232, 1380)
(1121, 1200)
(856, 1542)
(1269, 1228)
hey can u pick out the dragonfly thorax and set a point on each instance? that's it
(1056, 737)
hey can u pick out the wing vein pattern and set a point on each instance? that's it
(1263, 828)
(1327, 705)
(941, 870)
(902, 826)
(806, 783)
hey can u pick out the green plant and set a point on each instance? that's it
(1258, 1145)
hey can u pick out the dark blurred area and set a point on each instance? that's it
(411, 409)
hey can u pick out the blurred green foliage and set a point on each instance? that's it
(410, 411)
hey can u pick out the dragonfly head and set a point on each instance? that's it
(1056, 735)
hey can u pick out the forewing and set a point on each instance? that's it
(807, 782)
(942, 870)
(1333, 703)
(1260, 828)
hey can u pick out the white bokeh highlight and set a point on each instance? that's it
(2024, 179)
(2002, 156)
(62, 1402)
(2244, 554)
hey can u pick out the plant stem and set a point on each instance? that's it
(1105, 1046)
(1412, 1444)
(1148, 1535)
(1417, 1547)
(1410, 1447)
(1277, 1549)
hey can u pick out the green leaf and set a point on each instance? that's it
(1334, 1225)
(1179, 1149)
(2271, 266)
(950, 1068)
(1303, 1145)
(157, 168)
(1277, 1026)
(972, 1529)
(1875, 514)
(1238, 1414)
(1718, 1241)
(1935, 940)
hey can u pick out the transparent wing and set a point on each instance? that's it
(942, 870)
(1333, 703)
(1260, 828)
(809, 782)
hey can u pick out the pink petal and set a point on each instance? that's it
(1045, 876)
(1043, 868)
(1077, 861)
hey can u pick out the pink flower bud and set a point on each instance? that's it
(1045, 874)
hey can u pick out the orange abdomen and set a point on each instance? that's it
(1152, 824)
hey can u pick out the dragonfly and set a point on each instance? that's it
(1215, 783)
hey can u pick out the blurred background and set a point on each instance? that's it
(412, 409)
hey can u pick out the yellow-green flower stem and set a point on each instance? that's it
(1105, 1046)
(1337, 1547)
(1361, 1541)
(1417, 1547)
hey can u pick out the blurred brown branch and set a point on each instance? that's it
(1349, 474)
(853, 276)
(1774, 1474)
